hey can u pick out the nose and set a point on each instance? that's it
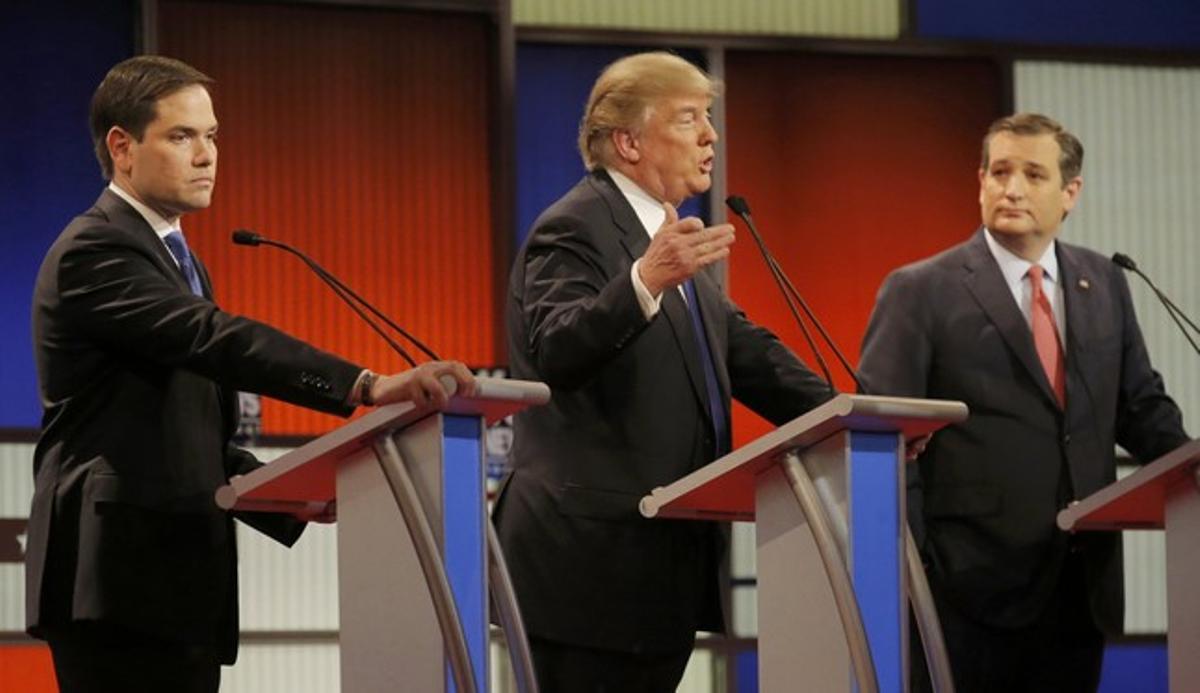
(709, 133)
(1014, 187)
(205, 152)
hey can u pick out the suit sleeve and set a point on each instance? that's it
(578, 314)
(897, 349)
(1149, 423)
(115, 294)
(767, 376)
(281, 527)
(897, 359)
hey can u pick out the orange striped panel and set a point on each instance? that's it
(361, 137)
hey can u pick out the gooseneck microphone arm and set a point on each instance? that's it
(356, 302)
(741, 208)
(1125, 262)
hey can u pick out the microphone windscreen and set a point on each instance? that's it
(244, 237)
(738, 204)
(1124, 261)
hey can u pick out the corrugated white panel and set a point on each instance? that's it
(16, 488)
(284, 667)
(1140, 128)
(288, 589)
(847, 18)
(1145, 578)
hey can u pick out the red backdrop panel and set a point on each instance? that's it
(27, 668)
(852, 166)
(361, 137)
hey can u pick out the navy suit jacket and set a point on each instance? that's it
(138, 381)
(629, 412)
(985, 494)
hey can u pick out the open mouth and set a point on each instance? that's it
(706, 166)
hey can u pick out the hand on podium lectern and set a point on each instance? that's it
(432, 383)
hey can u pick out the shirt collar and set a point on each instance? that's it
(160, 225)
(649, 211)
(1014, 267)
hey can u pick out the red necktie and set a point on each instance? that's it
(1045, 336)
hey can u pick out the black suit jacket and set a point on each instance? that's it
(986, 493)
(138, 381)
(628, 413)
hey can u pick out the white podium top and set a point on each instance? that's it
(724, 489)
(308, 473)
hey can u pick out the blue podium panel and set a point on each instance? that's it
(876, 526)
(464, 535)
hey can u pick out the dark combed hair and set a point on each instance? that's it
(127, 95)
(1070, 158)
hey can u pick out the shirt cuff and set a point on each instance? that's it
(650, 304)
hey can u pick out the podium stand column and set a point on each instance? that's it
(1182, 521)
(859, 477)
(390, 636)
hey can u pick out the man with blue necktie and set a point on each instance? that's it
(131, 568)
(610, 305)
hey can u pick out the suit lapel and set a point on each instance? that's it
(1077, 293)
(709, 294)
(986, 284)
(122, 214)
(635, 240)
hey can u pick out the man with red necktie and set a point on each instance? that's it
(1040, 339)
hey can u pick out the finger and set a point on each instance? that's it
(466, 379)
(672, 214)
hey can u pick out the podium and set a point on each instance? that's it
(413, 549)
(826, 489)
(1164, 494)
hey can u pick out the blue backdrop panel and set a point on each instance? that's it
(553, 83)
(54, 54)
(1118, 23)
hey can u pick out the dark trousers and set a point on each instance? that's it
(1061, 652)
(100, 658)
(564, 668)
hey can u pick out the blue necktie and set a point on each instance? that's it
(178, 247)
(716, 406)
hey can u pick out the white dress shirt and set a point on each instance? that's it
(161, 226)
(650, 212)
(1014, 268)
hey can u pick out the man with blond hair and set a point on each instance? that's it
(610, 304)
(1040, 339)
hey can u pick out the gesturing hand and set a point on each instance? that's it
(427, 384)
(680, 248)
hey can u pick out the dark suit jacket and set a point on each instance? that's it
(984, 500)
(628, 413)
(138, 380)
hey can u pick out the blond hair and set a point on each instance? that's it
(623, 94)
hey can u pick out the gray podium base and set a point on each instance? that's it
(800, 642)
(390, 639)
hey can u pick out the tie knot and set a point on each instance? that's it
(1035, 273)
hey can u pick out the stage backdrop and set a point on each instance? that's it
(361, 137)
(852, 166)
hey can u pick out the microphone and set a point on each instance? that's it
(244, 237)
(1126, 263)
(344, 292)
(741, 208)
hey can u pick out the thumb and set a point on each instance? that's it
(672, 215)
